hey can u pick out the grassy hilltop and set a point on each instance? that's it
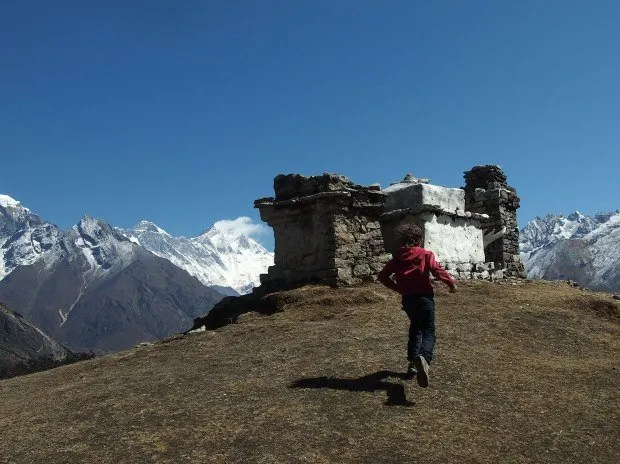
(525, 372)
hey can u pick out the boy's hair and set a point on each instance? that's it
(409, 235)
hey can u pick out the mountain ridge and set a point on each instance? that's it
(94, 289)
(214, 257)
(220, 257)
(576, 247)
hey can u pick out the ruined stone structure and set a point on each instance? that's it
(326, 231)
(486, 192)
(329, 230)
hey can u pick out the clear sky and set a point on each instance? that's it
(183, 111)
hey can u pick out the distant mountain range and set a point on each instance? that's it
(93, 288)
(96, 290)
(216, 258)
(585, 249)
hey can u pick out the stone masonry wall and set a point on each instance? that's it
(455, 238)
(326, 231)
(360, 253)
(486, 192)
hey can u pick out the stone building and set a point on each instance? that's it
(326, 231)
(329, 230)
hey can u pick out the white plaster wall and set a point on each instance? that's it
(406, 195)
(453, 240)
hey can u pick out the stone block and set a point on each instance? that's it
(375, 267)
(361, 270)
(345, 273)
(482, 275)
(409, 195)
(464, 267)
(498, 274)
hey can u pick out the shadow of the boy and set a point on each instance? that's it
(367, 383)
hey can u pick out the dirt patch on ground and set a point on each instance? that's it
(524, 373)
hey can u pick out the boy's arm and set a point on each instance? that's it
(440, 273)
(385, 276)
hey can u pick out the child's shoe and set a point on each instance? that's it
(422, 367)
(411, 370)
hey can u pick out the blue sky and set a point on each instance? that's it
(182, 112)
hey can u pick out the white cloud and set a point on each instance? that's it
(241, 226)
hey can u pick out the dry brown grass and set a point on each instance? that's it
(524, 373)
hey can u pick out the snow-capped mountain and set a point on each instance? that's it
(217, 258)
(578, 247)
(24, 238)
(96, 290)
(220, 257)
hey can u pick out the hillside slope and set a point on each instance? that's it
(524, 373)
(21, 343)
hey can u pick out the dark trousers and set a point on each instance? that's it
(421, 312)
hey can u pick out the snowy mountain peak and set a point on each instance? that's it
(222, 256)
(216, 231)
(575, 216)
(23, 236)
(97, 244)
(94, 230)
(542, 231)
(148, 226)
(14, 215)
(577, 247)
(8, 202)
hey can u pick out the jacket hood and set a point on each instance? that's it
(410, 254)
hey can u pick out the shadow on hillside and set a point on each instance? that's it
(368, 383)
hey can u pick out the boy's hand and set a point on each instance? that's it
(453, 288)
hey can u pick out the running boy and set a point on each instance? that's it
(408, 273)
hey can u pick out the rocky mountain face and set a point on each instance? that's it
(93, 289)
(24, 237)
(578, 247)
(217, 258)
(99, 288)
(21, 343)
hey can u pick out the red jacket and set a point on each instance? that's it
(411, 268)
